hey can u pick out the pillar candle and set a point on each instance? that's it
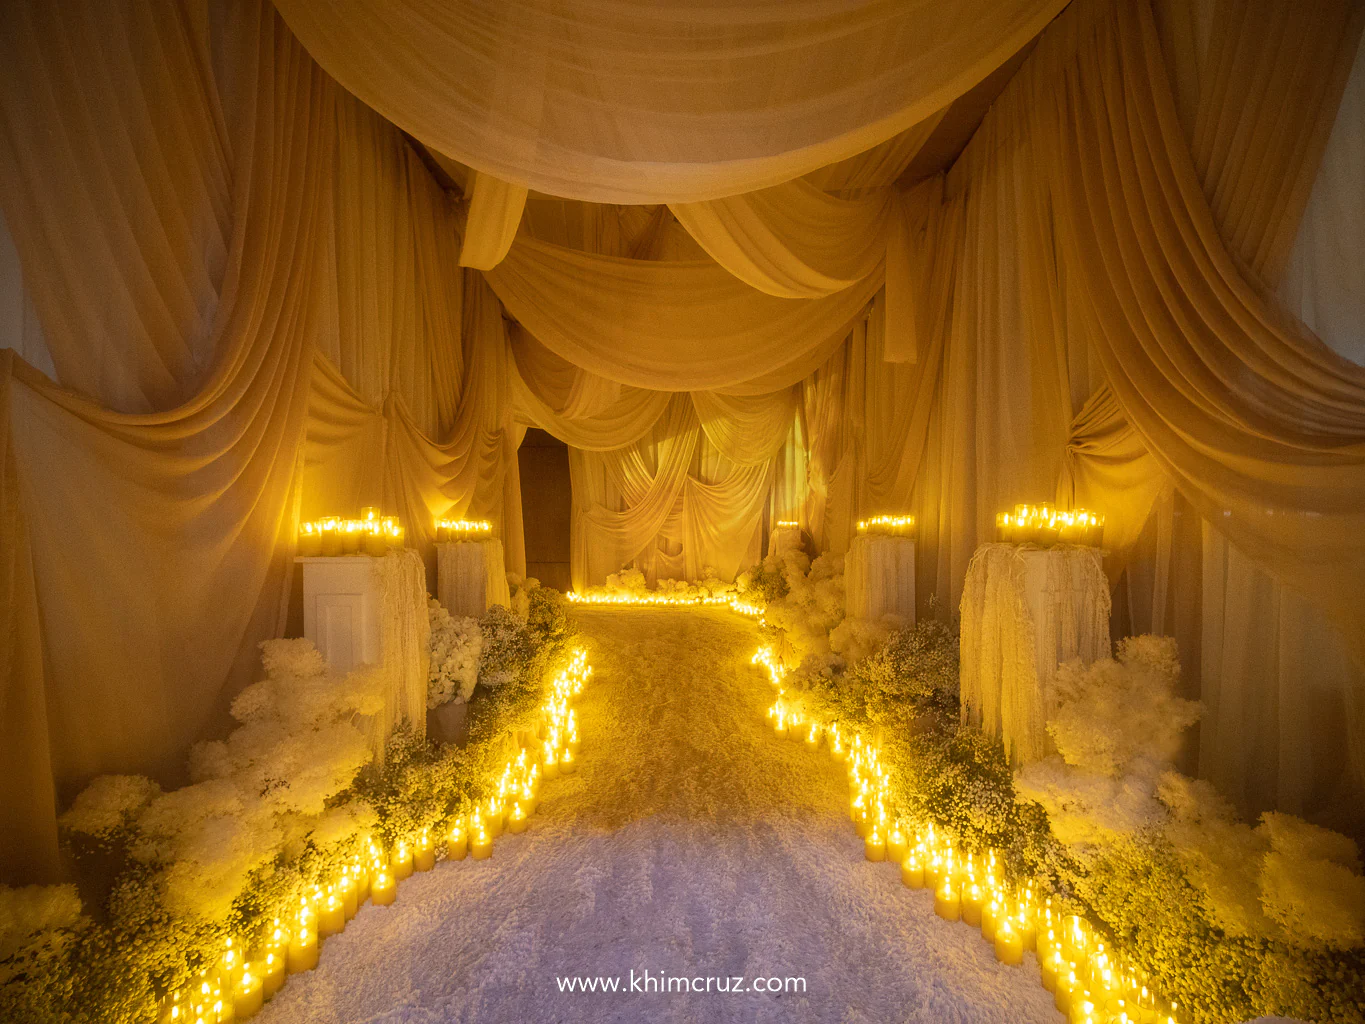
(780, 724)
(813, 737)
(303, 950)
(383, 888)
(374, 542)
(972, 898)
(272, 973)
(573, 742)
(424, 856)
(874, 845)
(480, 845)
(1009, 944)
(550, 763)
(494, 818)
(516, 820)
(1062, 994)
(897, 845)
(331, 536)
(457, 843)
(350, 897)
(528, 799)
(310, 541)
(947, 902)
(331, 917)
(350, 538)
(1050, 965)
(912, 872)
(567, 764)
(401, 861)
(249, 995)
(991, 913)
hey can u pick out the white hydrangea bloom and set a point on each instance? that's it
(1310, 882)
(455, 645)
(26, 911)
(108, 804)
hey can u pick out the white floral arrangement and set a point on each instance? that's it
(267, 784)
(32, 911)
(1117, 727)
(456, 647)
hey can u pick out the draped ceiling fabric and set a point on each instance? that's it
(728, 99)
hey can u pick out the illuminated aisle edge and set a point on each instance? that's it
(237, 988)
(1088, 983)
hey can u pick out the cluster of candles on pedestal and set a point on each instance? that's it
(895, 526)
(371, 534)
(788, 524)
(1045, 525)
(448, 530)
(1089, 983)
(236, 988)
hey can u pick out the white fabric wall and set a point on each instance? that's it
(1277, 681)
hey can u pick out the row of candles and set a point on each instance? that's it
(237, 987)
(450, 530)
(1045, 526)
(1089, 983)
(894, 526)
(371, 534)
(657, 598)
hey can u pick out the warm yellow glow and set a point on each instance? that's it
(372, 534)
(1045, 525)
(788, 524)
(462, 529)
(899, 526)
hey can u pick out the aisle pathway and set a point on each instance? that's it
(691, 842)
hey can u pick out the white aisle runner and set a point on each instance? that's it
(691, 844)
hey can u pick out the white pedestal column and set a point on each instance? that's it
(341, 610)
(1025, 610)
(364, 612)
(784, 539)
(879, 577)
(471, 576)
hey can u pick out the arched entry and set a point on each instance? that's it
(546, 501)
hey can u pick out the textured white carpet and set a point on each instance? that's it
(691, 842)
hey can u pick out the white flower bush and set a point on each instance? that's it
(295, 749)
(32, 910)
(456, 647)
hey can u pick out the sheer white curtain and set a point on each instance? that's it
(1279, 685)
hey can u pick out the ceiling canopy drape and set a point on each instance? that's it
(620, 102)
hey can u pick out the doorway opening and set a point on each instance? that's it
(546, 507)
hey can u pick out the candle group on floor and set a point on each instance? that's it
(1089, 983)
(236, 988)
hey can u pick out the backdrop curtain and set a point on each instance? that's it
(647, 104)
(181, 514)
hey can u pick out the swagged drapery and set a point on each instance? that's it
(265, 307)
(727, 100)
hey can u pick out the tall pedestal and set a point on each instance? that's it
(471, 576)
(879, 577)
(341, 610)
(364, 612)
(784, 539)
(1026, 610)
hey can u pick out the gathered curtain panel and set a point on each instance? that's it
(1257, 422)
(636, 103)
(180, 511)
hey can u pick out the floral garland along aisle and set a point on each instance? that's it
(224, 888)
